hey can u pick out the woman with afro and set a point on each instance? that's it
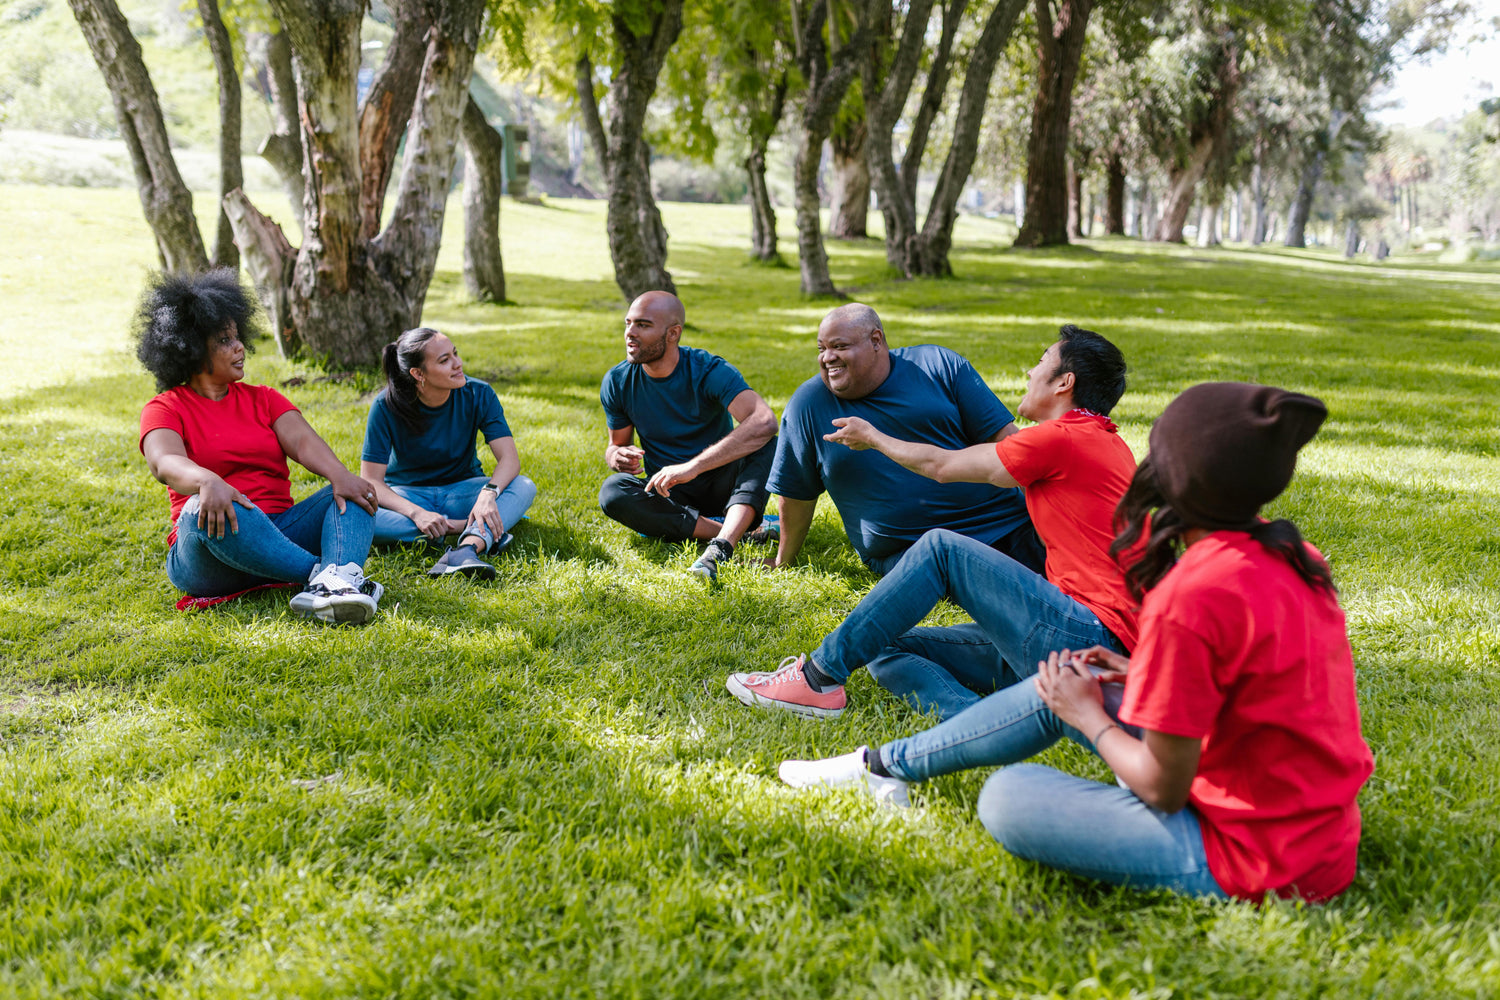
(221, 448)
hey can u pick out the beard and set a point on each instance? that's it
(648, 353)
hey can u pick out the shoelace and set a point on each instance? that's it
(784, 671)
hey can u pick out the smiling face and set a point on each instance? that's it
(1043, 390)
(852, 358)
(226, 355)
(441, 367)
(652, 327)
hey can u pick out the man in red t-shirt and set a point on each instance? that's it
(1074, 468)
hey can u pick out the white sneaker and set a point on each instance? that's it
(848, 771)
(339, 594)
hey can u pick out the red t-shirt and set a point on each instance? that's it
(1239, 651)
(1075, 470)
(231, 437)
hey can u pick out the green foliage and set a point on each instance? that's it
(539, 788)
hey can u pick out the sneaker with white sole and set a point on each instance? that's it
(786, 688)
(339, 594)
(707, 566)
(462, 560)
(851, 770)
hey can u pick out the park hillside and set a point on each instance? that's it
(539, 786)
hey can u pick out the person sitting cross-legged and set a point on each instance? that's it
(1237, 747)
(705, 477)
(1075, 468)
(419, 454)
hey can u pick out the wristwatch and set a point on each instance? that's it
(490, 487)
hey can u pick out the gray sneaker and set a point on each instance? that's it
(707, 566)
(339, 594)
(462, 560)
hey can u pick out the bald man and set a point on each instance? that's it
(926, 394)
(706, 438)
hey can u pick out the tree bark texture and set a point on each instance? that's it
(165, 199)
(939, 71)
(762, 213)
(885, 92)
(282, 147)
(1060, 40)
(637, 238)
(387, 109)
(851, 183)
(341, 296)
(828, 77)
(1301, 208)
(930, 253)
(231, 171)
(484, 271)
(1114, 195)
(1075, 201)
(1207, 135)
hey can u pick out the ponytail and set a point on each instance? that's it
(397, 360)
(1143, 512)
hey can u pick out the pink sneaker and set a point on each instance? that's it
(786, 688)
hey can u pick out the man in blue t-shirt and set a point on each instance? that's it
(707, 438)
(927, 394)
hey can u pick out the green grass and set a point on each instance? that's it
(539, 787)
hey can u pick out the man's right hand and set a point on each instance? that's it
(627, 458)
(856, 432)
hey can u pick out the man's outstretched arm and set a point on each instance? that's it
(796, 519)
(977, 464)
(756, 425)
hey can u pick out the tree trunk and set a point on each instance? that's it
(939, 70)
(1114, 195)
(828, 77)
(1351, 238)
(484, 271)
(231, 174)
(884, 101)
(1301, 208)
(930, 252)
(637, 238)
(165, 199)
(282, 147)
(1060, 47)
(851, 183)
(1208, 226)
(387, 109)
(1182, 183)
(1088, 216)
(1075, 201)
(1208, 136)
(1259, 195)
(762, 214)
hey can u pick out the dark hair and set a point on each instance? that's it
(179, 313)
(1098, 368)
(400, 356)
(1144, 504)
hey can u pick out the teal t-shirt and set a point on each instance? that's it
(678, 416)
(443, 452)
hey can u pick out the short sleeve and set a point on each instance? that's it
(615, 417)
(1171, 686)
(795, 472)
(491, 415)
(1036, 453)
(722, 382)
(982, 413)
(378, 433)
(275, 403)
(159, 414)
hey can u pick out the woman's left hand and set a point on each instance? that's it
(486, 511)
(1072, 694)
(347, 486)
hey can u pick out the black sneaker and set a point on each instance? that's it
(462, 560)
(707, 566)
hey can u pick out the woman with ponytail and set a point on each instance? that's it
(220, 447)
(1237, 745)
(419, 453)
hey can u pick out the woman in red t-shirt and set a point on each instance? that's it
(221, 446)
(1237, 746)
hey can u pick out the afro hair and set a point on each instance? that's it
(180, 312)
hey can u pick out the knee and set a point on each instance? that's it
(524, 488)
(616, 492)
(1007, 802)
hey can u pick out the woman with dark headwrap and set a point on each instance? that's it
(1237, 745)
(221, 446)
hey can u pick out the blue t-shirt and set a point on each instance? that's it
(444, 452)
(678, 416)
(931, 395)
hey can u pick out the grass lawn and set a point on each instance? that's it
(539, 787)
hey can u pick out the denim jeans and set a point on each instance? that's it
(1099, 831)
(1021, 544)
(268, 548)
(1019, 617)
(454, 500)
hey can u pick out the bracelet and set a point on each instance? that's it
(1100, 735)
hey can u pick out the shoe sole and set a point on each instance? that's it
(897, 798)
(353, 611)
(749, 697)
(703, 573)
(483, 572)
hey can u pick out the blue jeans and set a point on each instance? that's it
(454, 500)
(1099, 831)
(268, 548)
(1019, 617)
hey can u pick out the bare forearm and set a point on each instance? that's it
(796, 519)
(746, 439)
(181, 473)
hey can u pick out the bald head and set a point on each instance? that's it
(653, 326)
(852, 356)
